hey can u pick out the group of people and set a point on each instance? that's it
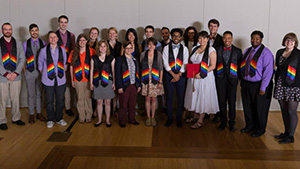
(108, 70)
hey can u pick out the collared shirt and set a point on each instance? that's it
(175, 52)
(264, 67)
(64, 38)
(131, 68)
(32, 43)
(42, 63)
(226, 55)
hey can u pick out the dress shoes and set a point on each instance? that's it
(19, 123)
(216, 119)
(3, 126)
(257, 134)
(108, 125)
(286, 140)
(97, 124)
(40, 117)
(179, 124)
(69, 112)
(31, 119)
(168, 123)
(222, 127)
(245, 130)
(232, 128)
(281, 136)
(135, 123)
(122, 125)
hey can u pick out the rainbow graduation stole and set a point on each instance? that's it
(30, 55)
(252, 65)
(204, 63)
(233, 69)
(220, 68)
(61, 44)
(292, 67)
(9, 59)
(126, 76)
(51, 66)
(175, 64)
(80, 66)
(104, 78)
(126, 73)
(96, 78)
(146, 69)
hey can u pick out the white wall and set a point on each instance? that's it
(274, 18)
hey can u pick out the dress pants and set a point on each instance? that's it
(180, 88)
(84, 104)
(226, 94)
(10, 89)
(34, 87)
(256, 107)
(127, 101)
(57, 92)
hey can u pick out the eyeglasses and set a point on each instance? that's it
(128, 48)
(176, 36)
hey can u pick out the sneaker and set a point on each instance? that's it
(153, 122)
(62, 122)
(50, 124)
(148, 122)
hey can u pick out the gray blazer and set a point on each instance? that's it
(20, 63)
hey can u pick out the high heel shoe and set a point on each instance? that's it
(97, 124)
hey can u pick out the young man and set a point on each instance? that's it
(227, 75)
(66, 40)
(257, 68)
(32, 75)
(149, 32)
(52, 65)
(175, 58)
(165, 33)
(11, 64)
(215, 40)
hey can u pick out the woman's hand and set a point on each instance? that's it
(120, 91)
(197, 76)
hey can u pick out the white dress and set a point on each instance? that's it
(204, 99)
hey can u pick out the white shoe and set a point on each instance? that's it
(62, 122)
(50, 124)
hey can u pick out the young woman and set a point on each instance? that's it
(93, 33)
(102, 80)
(131, 36)
(287, 86)
(201, 93)
(115, 48)
(128, 84)
(79, 61)
(152, 74)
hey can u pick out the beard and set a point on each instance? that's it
(7, 35)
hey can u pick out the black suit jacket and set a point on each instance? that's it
(218, 41)
(235, 53)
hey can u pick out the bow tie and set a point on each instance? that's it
(229, 48)
(176, 46)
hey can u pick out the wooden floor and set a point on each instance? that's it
(141, 147)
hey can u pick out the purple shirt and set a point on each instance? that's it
(264, 68)
(32, 42)
(43, 66)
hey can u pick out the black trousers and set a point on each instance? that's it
(226, 94)
(59, 93)
(256, 107)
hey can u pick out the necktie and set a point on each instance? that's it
(248, 62)
(35, 44)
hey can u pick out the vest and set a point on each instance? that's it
(9, 59)
(146, 70)
(50, 65)
(30, 56)
(179, 60)
(77, 66)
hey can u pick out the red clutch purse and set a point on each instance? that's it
(192, 70)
